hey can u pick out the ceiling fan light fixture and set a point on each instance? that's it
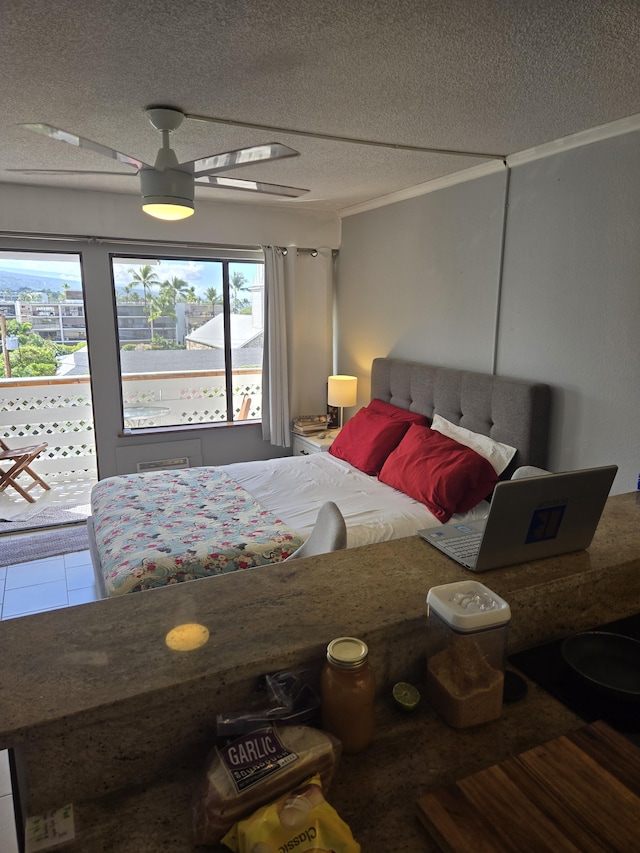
(168, 209)
(167, 195)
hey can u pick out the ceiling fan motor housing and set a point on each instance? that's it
(170, 186)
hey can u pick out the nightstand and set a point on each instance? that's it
(303, 445)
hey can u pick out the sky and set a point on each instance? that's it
(66, 268)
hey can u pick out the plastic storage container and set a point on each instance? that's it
(467, 630)
(348, 693)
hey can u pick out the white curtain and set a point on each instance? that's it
(298, 338)
(275, 374)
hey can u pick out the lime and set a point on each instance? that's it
(406, 695)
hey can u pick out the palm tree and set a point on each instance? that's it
(237, 284)
(129, 293)
(162, 305)
(177, 287)
(147, 277)
(211, 295)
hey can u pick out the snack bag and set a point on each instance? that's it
(300, 820)
(256, 768)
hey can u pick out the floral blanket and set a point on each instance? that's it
(167, 527)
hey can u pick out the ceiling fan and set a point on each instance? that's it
(168, 186)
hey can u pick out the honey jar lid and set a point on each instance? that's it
(347, 652)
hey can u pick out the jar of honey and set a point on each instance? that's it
(348, 693)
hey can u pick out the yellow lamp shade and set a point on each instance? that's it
(343, 391)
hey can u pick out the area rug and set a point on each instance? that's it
(38, 546)
(14, 508)
(48, 517)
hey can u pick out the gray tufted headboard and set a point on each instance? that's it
(509, 410)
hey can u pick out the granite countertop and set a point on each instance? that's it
(75, 661)
(97, 703)
(375, 792)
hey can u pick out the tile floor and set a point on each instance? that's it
(57, 581)
(47, 584)
(8, 835)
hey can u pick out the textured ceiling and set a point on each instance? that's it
(497, 76)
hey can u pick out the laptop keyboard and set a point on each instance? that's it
(464, 546)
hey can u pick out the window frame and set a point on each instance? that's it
(225, 257)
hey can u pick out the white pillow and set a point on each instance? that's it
(528, 471)
(498, 454)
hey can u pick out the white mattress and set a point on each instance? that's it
(296, 487)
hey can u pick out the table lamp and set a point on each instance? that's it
(342, 392)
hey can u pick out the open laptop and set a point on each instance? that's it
(529, 519)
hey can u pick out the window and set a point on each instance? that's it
(190, 335)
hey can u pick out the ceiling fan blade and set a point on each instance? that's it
(241, 157)
(81, 142)
(249, 186)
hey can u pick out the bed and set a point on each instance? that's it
(429, 447)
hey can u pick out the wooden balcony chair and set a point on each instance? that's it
(21, 458)
(243, 414)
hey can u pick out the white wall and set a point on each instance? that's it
(417, 280)
(28, 210)
(46, 210)
(571, 305)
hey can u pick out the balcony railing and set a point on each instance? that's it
(194, 396)
(58, 410)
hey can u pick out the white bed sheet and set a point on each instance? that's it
(295, 487)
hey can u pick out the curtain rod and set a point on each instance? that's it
(123, 241)
(128, 241)
(301, 250)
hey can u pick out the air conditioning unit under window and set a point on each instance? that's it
(163, 464)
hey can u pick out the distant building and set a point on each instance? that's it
(64, 322)
(163, 361)
(8, 308)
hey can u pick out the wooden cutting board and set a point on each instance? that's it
(578, 793)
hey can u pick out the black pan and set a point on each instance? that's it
(609, 662)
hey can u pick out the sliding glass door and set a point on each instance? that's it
(45, 389)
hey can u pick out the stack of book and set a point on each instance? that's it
(309, 424)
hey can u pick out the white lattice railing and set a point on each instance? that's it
(193, 397)
(58, 410)
(55, 410)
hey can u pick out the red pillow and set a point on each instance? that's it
(437, 471)
(367, 439)
(391, 411)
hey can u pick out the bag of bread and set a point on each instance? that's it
(255, 769)
(300, 820)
